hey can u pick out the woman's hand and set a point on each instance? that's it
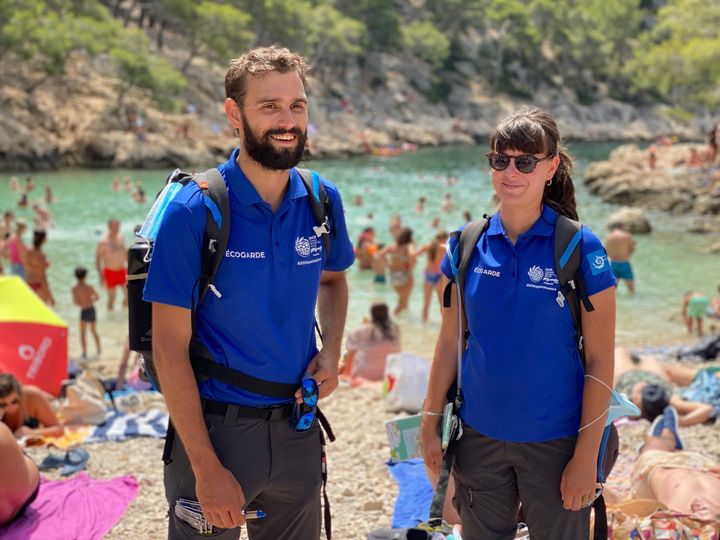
(431, 449)
(578, 482)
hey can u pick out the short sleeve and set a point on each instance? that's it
(594, 264)
(341, 249)
(445, 265)
(176, 258)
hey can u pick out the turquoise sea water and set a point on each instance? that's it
(667, 262)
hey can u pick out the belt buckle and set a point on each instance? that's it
(276, 413)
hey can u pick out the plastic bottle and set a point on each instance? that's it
(152, 222)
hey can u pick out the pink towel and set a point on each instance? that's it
(76, 509)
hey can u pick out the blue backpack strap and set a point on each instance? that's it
(320, 205)
(567, 254)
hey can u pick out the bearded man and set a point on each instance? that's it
(236, 455)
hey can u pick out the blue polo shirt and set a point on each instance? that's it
(263, 323)
(522, 377)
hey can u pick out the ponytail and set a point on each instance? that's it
(560, 194)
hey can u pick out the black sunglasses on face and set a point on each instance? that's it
(524, 163)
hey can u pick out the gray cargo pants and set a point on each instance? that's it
(493, 477)
(278, 469)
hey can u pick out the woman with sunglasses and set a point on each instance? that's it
(26, 410)
(532, 421)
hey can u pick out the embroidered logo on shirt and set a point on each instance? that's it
(542, 279)
(598, 262)
(244, 254)
(486, 271)
(536, 274)
(308, 247)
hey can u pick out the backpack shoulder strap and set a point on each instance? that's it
(462, 255)
(217, 227)
(466, 244)
(567, 251)
(319, 204)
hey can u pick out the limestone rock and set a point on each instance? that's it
(626, 178)
(632, 220)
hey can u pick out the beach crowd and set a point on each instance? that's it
(525, 365)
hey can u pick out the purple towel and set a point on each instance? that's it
(73, 509)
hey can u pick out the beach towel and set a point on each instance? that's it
(78, 508)
(705, 388)
(415, 493)
(73, 436)
(120, 426)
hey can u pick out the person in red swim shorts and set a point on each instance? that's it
(111, 262)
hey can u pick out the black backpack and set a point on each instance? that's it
(567, 241)
(215, 242)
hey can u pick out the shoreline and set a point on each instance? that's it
(319, 156)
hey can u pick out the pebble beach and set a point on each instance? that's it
(361, 491)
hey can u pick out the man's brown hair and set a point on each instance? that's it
(257, 63)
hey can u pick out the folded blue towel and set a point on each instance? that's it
(120, 426)
(415, 493)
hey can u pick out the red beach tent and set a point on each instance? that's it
(33, 339)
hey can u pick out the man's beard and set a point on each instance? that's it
(260, 149)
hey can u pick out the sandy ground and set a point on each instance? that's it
(361, 491)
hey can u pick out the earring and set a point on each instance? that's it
(549, 183)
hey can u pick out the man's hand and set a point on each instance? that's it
(578, 482)
(221, 498)
(324, 369)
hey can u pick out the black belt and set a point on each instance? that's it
(231, 411)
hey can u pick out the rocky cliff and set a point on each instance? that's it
(80, 120)
(662, 177)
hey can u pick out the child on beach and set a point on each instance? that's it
(85, 296)
(694, 309)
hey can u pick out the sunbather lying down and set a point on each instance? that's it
(648, 384)
(684, 481)
(20, 478)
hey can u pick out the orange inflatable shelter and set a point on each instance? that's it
(33, 339)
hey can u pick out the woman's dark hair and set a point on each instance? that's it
(535, 132)
(8, 385)
(38, 238)
(405, 236)
(653, 402)
(380, 315)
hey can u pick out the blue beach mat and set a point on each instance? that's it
(120, 426)
(415, 493)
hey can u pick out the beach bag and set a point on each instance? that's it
(85, 401)
(405, 382)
